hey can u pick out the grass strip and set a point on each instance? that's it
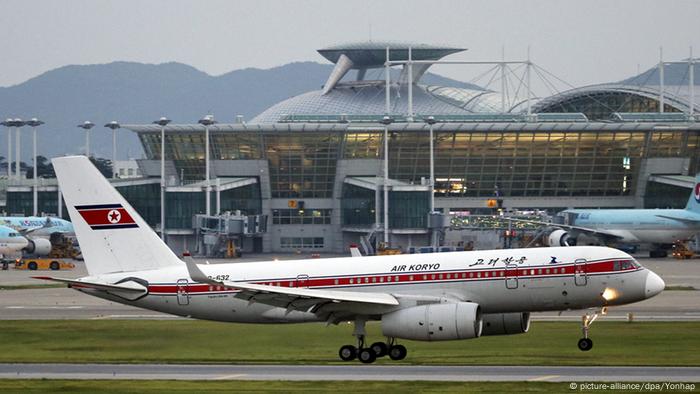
(195, 341)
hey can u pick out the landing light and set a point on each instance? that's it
(610, 294)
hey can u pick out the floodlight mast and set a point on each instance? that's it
(114, 125)
(162, 122)
(207, 121)
(386, 121)
(34, 123)
(9, 124)
(87, 125)
(19, 123)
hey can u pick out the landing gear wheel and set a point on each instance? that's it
(347, 353)
(397, 352)
(380, 349)
(366, 356)
(585, 344)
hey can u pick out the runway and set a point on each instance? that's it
(350, 372)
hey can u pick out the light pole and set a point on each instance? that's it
(114, 125)
(386, 121)
(9, 124)
(19, 123)
(87, 125)
(431, 121)
(34, 123)
(162, 122)
(206, 122)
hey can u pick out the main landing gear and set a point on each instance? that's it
(585, 344)
(368, 355)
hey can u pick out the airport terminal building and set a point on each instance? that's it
(309, 171)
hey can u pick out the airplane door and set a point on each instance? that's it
(511, 276)
(183, 296)
(303, 280)
(580, 272)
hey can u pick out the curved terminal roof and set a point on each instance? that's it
(599, 101)
(369, 99)
(373, 54)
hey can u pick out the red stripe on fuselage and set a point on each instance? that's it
(539, 272)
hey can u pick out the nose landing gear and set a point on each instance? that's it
(585, 344)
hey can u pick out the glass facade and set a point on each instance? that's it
(296, 216)
(22, 203)
(468, 163)
(357, 205)
(301, 242)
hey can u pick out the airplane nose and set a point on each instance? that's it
(654, 285)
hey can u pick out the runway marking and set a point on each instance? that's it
(43, 307)
(155, 317)
(228, 377)
(541, 378)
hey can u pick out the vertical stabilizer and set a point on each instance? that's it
(694, 200)
(112, 235)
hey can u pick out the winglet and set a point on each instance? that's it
(355, 252)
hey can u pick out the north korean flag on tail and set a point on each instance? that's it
(106, 216)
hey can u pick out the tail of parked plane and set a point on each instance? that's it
(112, 235)
(694, 200)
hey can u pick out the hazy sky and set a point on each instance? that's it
(581, 41)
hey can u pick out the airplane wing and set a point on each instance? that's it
(302, 299)
(682, 220)
(130, 290)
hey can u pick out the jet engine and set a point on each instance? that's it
(506, 323)
(38, 246)
(434, 322)
(561, 238)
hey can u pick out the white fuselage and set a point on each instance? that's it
(509, 280)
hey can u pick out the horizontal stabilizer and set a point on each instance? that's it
(130, 290)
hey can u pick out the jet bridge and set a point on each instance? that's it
(224, 235)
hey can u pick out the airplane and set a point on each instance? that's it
(425, 297)
(39, 231)
(11, 241)
(658, 227)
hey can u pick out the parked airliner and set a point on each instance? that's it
(11, 241)
(39, 232)
(658, 227)
(426, 297)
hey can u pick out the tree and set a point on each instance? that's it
(44, 168)
(103, 165)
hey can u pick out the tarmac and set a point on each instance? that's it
(574, 375)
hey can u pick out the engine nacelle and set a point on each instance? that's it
(434, 322)
(38, 246)
(506, 323)
(561, 238)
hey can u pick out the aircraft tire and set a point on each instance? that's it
(366, 356)
(347, 353)
(380, 349)
(397, 352)
(585, 344)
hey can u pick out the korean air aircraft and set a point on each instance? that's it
(11, 241)
(38, 231)
(427, 297)
(658, 227)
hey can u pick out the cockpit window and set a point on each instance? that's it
(624, 265)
